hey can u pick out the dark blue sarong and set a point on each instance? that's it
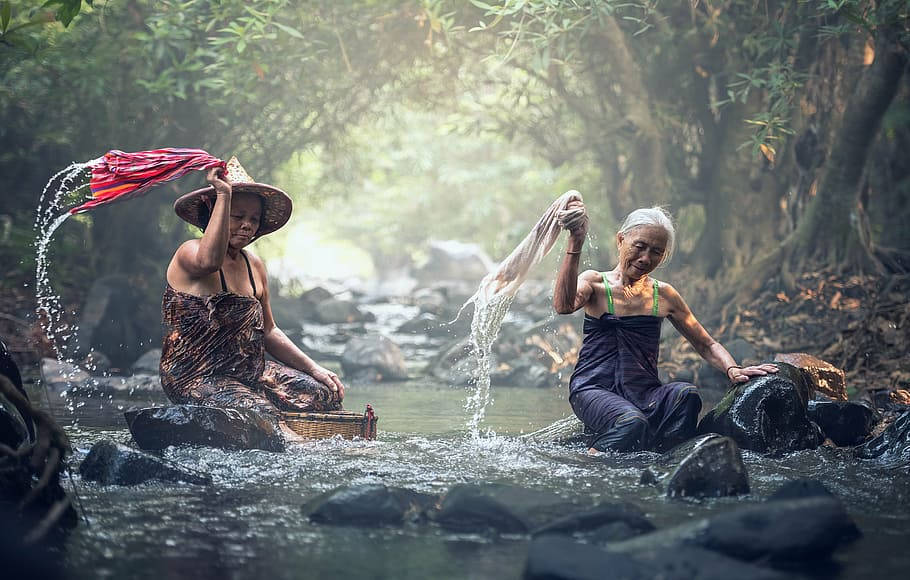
(616, 392)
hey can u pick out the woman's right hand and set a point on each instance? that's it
(575, 219)
(222, 186)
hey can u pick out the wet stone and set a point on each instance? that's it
(373, 358)
(334, 311)
(111, 463)
(783, 531)
(843, 422)
(148, 363)
(603, 522)
(156, 428)
(823, 376)
(892, 447)
(766, 414)
(501, 508)
(555, 558)
(369, 506)
(707, 466)
(801, 488)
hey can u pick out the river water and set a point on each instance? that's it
(249, 523)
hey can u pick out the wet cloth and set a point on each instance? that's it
(616, 392)
(214, 354)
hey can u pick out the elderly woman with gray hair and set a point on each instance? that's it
(615, 389)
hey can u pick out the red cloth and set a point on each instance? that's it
(120, 176)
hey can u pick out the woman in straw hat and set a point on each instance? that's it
(219, 324)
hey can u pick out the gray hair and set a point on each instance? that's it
(652, 216)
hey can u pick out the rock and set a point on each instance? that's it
(892, 447)
(501, 508)
(368, 505)
(148, 363)
(156, 428)
(708, 466)
(779, 531)
(542, 350)
(96, 362)
(111, 463)
(766, 414)
(843, 422)
(373, 358)
(555, 558)
(524, 372)
(431, 301)
(454, 260)
(454, 365)
(118, 319)
(308, 301)
(801, 488)
(598, 520)
(60, 376)
(334, 311)
(824, 377)
(422, 324)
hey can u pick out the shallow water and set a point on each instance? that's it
(249, 524)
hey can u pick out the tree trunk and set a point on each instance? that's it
(826, 232)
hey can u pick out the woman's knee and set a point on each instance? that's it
(629, 433)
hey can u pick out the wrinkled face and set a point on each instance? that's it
(641, 249)
(246, 211)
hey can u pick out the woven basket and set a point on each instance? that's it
(348, 424)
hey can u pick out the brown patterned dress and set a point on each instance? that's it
(214, 355)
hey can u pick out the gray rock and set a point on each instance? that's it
(431, 301)
(334, 311)
(598, 520)
(555, 558)
(148, 363)
(118, 319)
(778, 531)
(844, 422)
(892, 447)
(454, 260)
(766, 414)
(373, 358)
(156, 428)
(61, 376)
(500, 508)
(708, 466)
(369, 505)
(111, 463)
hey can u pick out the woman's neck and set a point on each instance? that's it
(630, 286)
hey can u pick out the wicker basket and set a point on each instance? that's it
(348, 424)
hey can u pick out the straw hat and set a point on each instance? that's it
(276, 205)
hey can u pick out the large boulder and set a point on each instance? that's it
(601, 523)
(824, 377)
(766, 414)
(778, 531)
(118, 319)
(501, 508)
(892, 446)
(708, 466)
(555, 558)
(148, 363)
(845, 423)
(156, 428)
(334, 311)
(111, 463)
(369, 505)
(454, 260)
(373, 358)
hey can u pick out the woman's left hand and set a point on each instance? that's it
(741, 375)
(329, 379)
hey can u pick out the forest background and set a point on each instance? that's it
(776, 132)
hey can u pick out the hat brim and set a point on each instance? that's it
(276, 206)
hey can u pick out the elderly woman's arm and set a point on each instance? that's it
(573, 291)
(712, 351)
(282, 348)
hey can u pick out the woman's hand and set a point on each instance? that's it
(575, 219)
(222, 186)
(742, 374)
(329, 379)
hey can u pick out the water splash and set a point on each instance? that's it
(488, 316)
(50, 215)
